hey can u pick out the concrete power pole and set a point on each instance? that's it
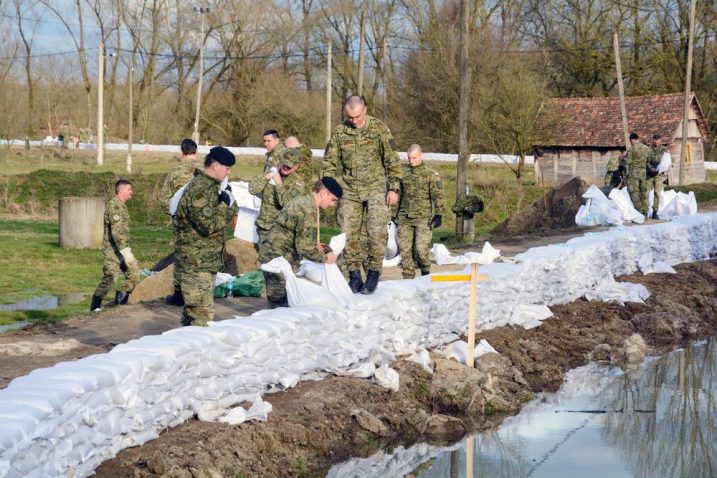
(100, 104)
(465, 80)
(688, 96)
(328, 95)
(202, 11)
(621, 89)
(131, 120)
(362, 55)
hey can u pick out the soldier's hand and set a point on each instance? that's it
(226, 198)
(228, 188)
(391, 198)
(331, 258)
(435, 223)
(324, 248)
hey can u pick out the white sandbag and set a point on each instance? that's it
(598, 210)
(365, 370)
(530, 316)
(249, 206)
(300, 291)
(660, 267)
(392, 244)
(222, 278)
(681, 205)
(441, 255)
(665, 162)
(333, 280)
(622, 200)
(423, 359)
(174, 202)
(618, 292)
(310, 270)
(338, 243)
(392, 262)
(387, 377)
(457, 350)
(483, 348)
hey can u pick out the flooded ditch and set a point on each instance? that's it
(655, 420)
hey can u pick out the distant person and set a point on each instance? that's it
(118, 257)
(362, 155)
(205, 209)
(276, 189)
(274, 149)
(294, 236)
(655, 180)
(177, 178)
(420, 209)
(306, 170)
(637, 158)
(616, 173)
(64, 137)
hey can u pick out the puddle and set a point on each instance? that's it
(656, 421)
(14, 326)
(45, 302)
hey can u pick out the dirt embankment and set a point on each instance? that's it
(321, 423)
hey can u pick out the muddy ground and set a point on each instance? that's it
(321, 423)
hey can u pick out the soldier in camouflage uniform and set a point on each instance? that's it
(655, 180)
(616, 172)
(306, 171)
(274, 150)
(288, 184)
(361, 154)
(202, 217)
(118, 257)
(637, 159)
(64, 136)
(294, 236)
(420, 209)
(175, 180)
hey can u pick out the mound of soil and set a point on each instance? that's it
(555, 210)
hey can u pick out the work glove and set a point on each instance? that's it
(228, 188)
(226, 198)
(126, 257)
(435, 222)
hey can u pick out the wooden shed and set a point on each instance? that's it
(580, 135)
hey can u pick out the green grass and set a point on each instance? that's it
(33, 264)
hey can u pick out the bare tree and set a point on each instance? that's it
(27, 36)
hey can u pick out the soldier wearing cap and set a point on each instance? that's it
(294, 236)
(204, 211)
(276, 189)
(118, 257)
(361, 154)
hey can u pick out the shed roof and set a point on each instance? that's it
(597, 122)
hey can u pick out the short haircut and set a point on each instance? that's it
(634, 135)
(318, 186)
(121, 182)
(414, 148)
(657, 136)
(208, 160)
(355, 100)
(272, 132)
(188, 147)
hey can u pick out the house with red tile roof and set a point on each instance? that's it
(579, 136)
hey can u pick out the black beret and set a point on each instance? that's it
(333, 186)
(222, 156)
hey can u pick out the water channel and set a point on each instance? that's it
(655, 421)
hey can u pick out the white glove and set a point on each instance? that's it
(128, 256)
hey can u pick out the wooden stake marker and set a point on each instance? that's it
(473, 278)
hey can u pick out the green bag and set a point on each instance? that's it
(249, 284)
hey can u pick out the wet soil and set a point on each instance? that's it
(321, 423)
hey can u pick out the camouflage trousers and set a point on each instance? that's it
(263, 237)
(657, 184)
(198, 292)
(414, 239)
(177, 276)
(111, 272)
(352, 216)
(275, 290)
(638, 194)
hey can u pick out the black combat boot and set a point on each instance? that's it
(654, 215)
(121, 297)
(425, 273)
(355, 282)
(175, 299)
(96, 303)
(371, 283)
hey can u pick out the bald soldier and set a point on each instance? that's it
(361, 155)
(305, 160)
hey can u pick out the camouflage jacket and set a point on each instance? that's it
(177, 177)
(201, 221)
(363, 160)
(116, 227)
(657, 153)
(421, 193)
(273, 157)
(294, 233)
(274, 197)
(615, 172)
(637, 159)
(306, 170)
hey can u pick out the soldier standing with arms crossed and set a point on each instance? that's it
(202, 217)
(420, 209)
(361, 155)
(175, 180)
(118, 257)
(637, 159)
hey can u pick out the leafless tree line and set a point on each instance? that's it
(265, 64)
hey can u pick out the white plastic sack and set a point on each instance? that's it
(338, 243)
(681, 205)
(222, 278)
(249, 206)
(441, 255)
(174, 202)
(598, 210)
(333, 280)
(301, 291)
(387, 377)
(621, 198)
(423, 359)
(392, 244)
(458, 350)
(665, 163)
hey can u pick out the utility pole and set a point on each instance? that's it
(100, 104)
(131, 120)
(202, 11)
(328, 95)
(362, 55)
(465, 80)
(385, 82)
(621, 89)
(688, 96)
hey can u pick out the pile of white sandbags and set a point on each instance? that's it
(71, 417)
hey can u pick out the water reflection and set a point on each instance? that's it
(658, 420)
(45, 302)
